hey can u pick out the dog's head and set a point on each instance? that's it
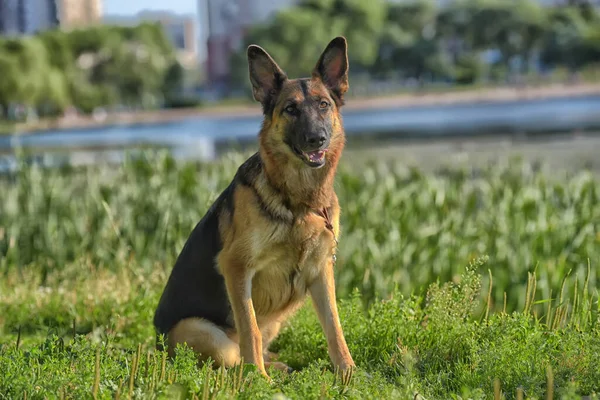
(302, 115)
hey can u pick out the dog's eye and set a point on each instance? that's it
(290, 109)
(324, 104)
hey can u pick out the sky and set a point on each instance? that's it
(128, 7)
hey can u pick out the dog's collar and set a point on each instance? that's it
(324, 213)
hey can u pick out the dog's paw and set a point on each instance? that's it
(279, 366)
(270, 356)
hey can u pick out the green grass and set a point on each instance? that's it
(6, 128)
(84, 255)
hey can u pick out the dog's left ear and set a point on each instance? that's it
(332, 67)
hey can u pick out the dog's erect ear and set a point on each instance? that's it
(332, 67)
(265, 75)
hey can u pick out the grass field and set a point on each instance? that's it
(460, 283)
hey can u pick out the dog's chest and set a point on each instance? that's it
(287, 259)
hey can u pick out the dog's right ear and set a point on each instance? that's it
(265, 75)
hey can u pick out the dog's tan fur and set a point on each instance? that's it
(271, 262)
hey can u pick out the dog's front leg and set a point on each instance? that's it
(238, 280)
(322, 292)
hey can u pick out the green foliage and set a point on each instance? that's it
(566, 39)
(87, 251)
(469, 69)
(60, 51)
(419, 39)
(319, 22)
(30, 56)
(400, 227)
(88, 68)
(173, 86)
(11, 84)
(54, 96)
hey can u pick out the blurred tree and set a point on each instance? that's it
(514, 27)
(108, 65)
(592, 41)
(565, 41)
(319, 21)
(11, 83)
(87, 96)
(455, 25)
(469, 69)
(127, 66)
(296, 53)
(409, 45)
(172, 85)
(153, 36)
(94, 40)
(54, 97)
(523, 35)
(89, 68)
(31, 57)
(58, 46)
(362, 22)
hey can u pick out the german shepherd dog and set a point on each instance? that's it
(270, 238)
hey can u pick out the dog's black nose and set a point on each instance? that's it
(315, 139)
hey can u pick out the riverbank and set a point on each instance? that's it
(252, 109)
(558, 155)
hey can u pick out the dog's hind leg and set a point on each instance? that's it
(207, 340)
(269, 333)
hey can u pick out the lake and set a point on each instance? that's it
(204, 137)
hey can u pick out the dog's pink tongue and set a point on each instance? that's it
(316, 155)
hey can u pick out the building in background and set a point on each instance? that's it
(74, 14)
(10, 17)
(14, 18)
(182, 32)
(40, 15)
(31, 16)
(180, 29)
(228, 22)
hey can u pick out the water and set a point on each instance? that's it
(201, 137)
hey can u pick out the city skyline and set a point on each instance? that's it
(135, 6)
(31, 16)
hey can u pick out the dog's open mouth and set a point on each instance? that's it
(313, 159)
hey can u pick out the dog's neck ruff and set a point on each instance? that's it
(301, 202)
(300, 186)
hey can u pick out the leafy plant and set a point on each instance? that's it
(455, 284)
